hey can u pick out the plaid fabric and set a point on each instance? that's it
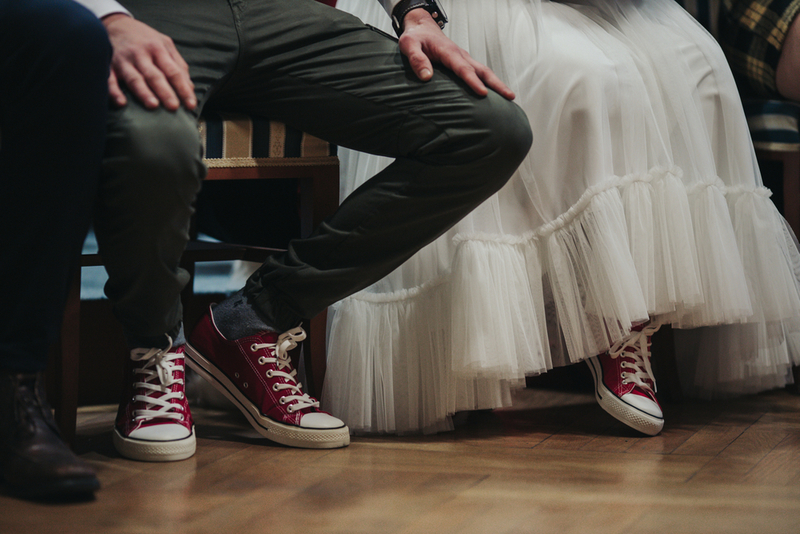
(752, 33)
(244, 141)
(774, 124)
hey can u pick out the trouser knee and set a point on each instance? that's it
(507, 140)
(157, 150)
(487, 144)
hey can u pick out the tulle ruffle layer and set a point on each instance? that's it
(640, 199)
(510, 306)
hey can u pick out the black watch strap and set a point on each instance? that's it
(401, 10)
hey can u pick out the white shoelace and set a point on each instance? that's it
(640, 367)
(158, 377)
(286, 342)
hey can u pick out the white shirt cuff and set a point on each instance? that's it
(102, 8)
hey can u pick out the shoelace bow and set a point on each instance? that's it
(158, 378)
(286, 342)
(640, 367)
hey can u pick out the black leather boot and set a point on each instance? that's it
(34, 461)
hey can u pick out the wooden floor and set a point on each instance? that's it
(553, 463)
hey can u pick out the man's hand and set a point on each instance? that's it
(149, 65)
(423, 42)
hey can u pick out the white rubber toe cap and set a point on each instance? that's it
(320, 420)
(643, 404)
(161, 433)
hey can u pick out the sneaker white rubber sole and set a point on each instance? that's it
(290, 435)
(155, 451)
(619, 409)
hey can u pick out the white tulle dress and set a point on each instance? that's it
(640, 198)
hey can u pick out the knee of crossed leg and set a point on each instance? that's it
(505, 140)
(158, 153)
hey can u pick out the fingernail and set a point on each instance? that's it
(425, 73)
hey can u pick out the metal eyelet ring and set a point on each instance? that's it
(236, 375)
(262, 360)
(282, 400)
(275, 387)
(289, 409)
(269, 373)
(253, 347)
(245, 384)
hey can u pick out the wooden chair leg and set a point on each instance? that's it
(65, 365)
(791, 190)
(319, 199)
(315, 355)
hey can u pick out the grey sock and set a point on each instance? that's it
(180, 339)
(236, 317)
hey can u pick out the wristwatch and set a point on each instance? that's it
(400, 10)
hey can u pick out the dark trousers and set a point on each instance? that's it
(324, 72)
(54, 58)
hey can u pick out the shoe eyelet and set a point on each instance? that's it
(269, 373)
(245, 384)
(262, 360)
(253, 347)
(275, 387)
(236, 375)
(282, 401)
(289, 409)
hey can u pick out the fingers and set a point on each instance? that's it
(490, 79)
(465, 68)
(114, 92)
(155, 78)
(476, 75)
(179, 78)
(134, 76)
(418, 60)
(422, 42)
(149, 65)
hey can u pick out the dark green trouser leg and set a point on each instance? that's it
(324, 72)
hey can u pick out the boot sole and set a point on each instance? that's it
(618, 408)
(290, 435)
(155, 451)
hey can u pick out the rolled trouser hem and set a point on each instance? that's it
(175, 336)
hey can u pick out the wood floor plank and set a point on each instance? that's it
(781, 466)
(549, 464)
(711, 439)
(734, 463)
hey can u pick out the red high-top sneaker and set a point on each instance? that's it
(154, 422)
(624, 384)
(256, 374)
